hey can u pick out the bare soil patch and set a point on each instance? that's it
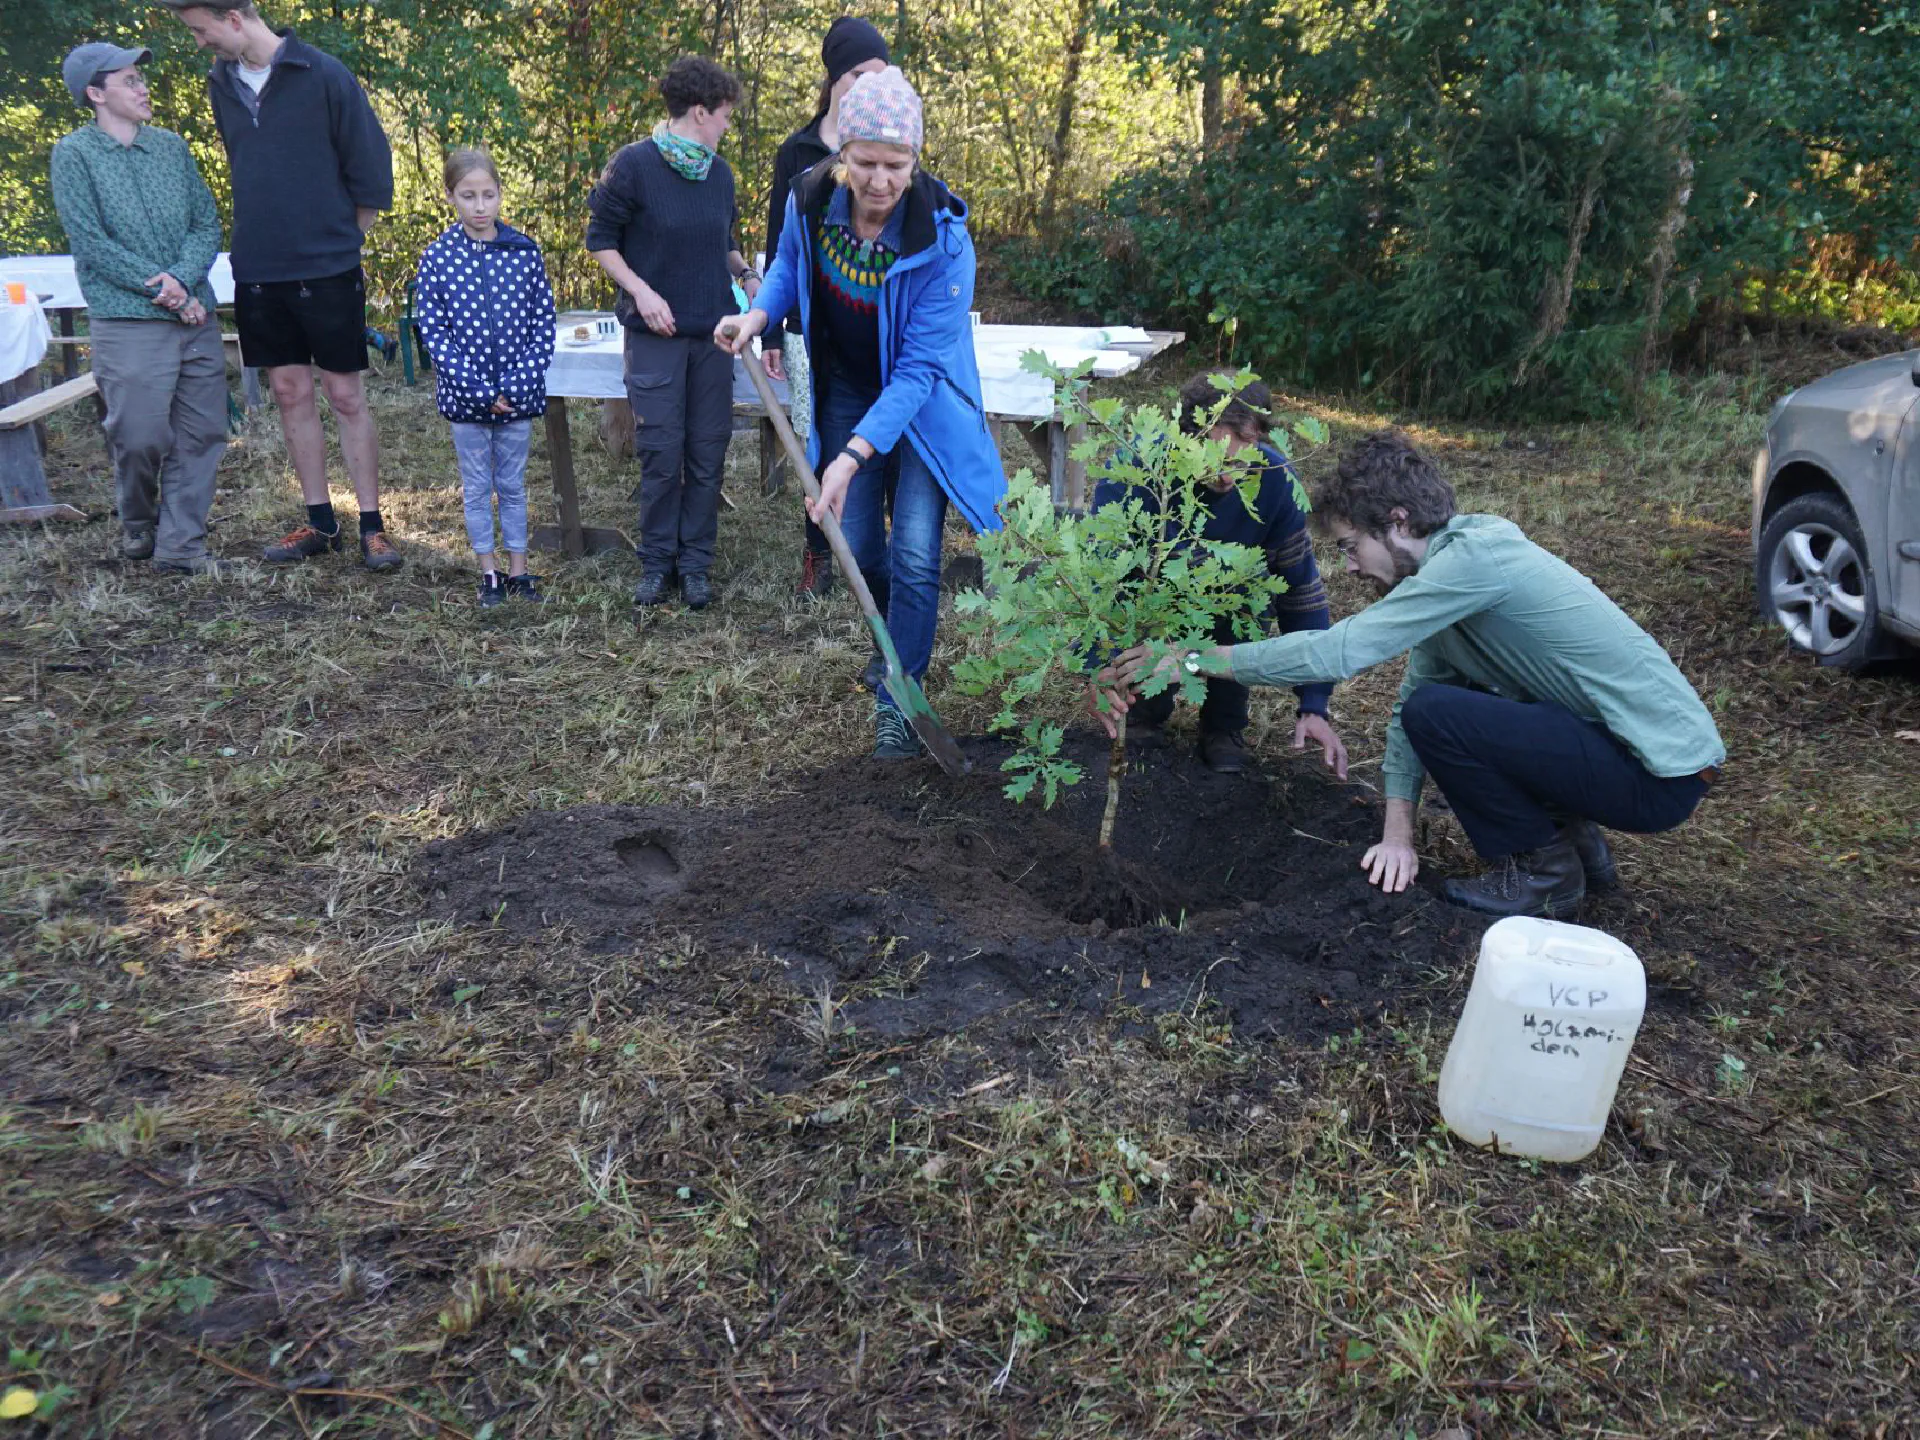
(941, 904)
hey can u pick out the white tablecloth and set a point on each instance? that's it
(53, 277)
(592, 368)
(23, 339)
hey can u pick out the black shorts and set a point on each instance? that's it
(304, 322)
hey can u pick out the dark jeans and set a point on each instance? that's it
(902, 565)
(681, 390)
(1225, 710)
(1515, 772)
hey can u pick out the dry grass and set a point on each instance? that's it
(283, 1158)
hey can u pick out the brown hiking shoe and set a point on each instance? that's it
(1547, 881)
(816, 575)
(377, 552)
(301, 544)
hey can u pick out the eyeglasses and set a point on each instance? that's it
(134, 81)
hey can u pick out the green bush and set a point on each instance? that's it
(1505, 207)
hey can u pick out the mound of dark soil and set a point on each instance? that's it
(928, 902)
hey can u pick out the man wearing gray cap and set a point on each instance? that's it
(143, 231)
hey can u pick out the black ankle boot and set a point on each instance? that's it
(1547, 881)
(1596, 857)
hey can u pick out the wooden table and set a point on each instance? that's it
(594, 369)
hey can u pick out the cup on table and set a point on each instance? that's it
(16, 292)
(604, 326)
(974, 316)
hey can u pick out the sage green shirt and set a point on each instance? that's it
(1490, 608)
(131, 211)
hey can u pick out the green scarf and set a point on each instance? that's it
(689, 157)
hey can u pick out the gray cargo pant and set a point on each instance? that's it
(165, 385)
(681, 390)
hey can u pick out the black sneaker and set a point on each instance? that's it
(893, 737)
(696, 590)
(525, 587)
(493, 590)
(301, 543)
(652, 589)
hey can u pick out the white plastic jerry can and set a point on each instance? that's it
(1549, 1019)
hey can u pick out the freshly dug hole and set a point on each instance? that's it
(933, 901)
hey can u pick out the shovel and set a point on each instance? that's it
(901, 686)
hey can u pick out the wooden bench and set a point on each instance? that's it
(23, 480)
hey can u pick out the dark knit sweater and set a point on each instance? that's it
(802, 150)
(675, 233)
(313, 156)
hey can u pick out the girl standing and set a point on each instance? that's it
(485, 314)
(852, 48)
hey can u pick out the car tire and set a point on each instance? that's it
(1813, 579)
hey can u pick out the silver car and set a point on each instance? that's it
(1836, 513)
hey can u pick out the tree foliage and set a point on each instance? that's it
(1064, 591)
(1485, 206)
(555, 87)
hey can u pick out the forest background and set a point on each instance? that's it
(1507, 206)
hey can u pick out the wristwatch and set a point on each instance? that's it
(1190, 662)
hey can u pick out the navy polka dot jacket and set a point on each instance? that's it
(484, 311)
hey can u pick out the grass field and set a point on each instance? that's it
(275, 1166)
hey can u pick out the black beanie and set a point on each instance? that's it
(849, 42)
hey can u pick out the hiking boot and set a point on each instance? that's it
(1223, 752)
(893, 737)
(1596, 857)
(136, 545)
(652, 589)
(493, 590)
(377, 552)
(816, 575)
(874, 676)
(696, 590)
(525, 587)
(1547, 881)
(195, 565)
(302, 543)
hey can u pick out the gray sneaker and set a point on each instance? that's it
(136, 545)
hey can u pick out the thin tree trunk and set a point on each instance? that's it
(1116, 772)
(1212, 102)
(1665, 241)
(1062, 147)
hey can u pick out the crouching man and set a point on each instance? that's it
(1538, 707)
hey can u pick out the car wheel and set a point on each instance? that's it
(1813, 580)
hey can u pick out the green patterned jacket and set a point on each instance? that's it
(132, 211)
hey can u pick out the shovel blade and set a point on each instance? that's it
(913, 704)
